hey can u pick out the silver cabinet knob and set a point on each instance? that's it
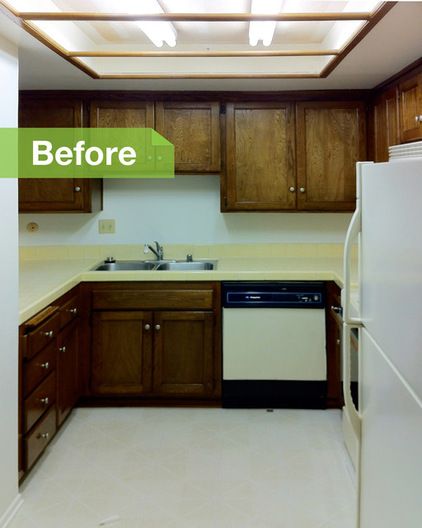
(418, 119)
(45, 401)
(338, 341)
(77, 189)
(337, 309)
(292, 189)
(302, 189)
(73, 311)
(45, 365)
(44, 436)
(147, 327)
(62, 349)
(157, 327)
(49, 333)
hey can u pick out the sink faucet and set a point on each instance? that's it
(158, 251)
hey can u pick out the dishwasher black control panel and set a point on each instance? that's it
(285, 294)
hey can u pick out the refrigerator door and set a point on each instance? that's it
(391, 446)
(391, 263)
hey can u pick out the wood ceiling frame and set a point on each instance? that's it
(23, 19)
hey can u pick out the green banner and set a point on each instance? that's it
(85, 153)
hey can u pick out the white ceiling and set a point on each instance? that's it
(394, 42)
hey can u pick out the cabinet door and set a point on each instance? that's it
(183, 353)
(53, 195)
(121, 353)
(121, 114)
(67, 370)
(260, 157)
(385, 123)
(330, 140)
(194, 129)
(410, 100)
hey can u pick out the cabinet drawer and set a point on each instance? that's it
(42, 335)
(69, 311)
(39, 367)
(36, 442)
(152, 299)
(40, 400)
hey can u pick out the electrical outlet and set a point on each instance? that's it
(107, 226)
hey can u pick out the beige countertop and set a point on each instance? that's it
(44, 280)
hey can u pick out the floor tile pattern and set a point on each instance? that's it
(193, 468)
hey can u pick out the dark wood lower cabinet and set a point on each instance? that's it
(48, 375)
(153, 341)
(183, 353)
(152, 353)
(121, 353)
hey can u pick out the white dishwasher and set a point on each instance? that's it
(274, 352)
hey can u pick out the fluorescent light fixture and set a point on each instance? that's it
(157, 32)
(263, 30)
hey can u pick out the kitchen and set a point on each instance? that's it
(205, 212)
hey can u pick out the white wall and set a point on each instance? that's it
(184, 210)
(9, 293)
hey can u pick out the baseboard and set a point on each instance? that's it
(11, 511)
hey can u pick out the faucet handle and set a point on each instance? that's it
(146, 249)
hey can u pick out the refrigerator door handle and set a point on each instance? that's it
(354, 415)
(352, 233)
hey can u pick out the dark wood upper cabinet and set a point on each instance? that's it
(121, 114)
(410, 106)
(260, 157)
(194, 129)
(385, 124)
(55, 194)
(331, 138)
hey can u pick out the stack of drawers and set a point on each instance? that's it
(39, 385)
(48, 376)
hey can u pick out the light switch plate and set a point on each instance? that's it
(107, 226)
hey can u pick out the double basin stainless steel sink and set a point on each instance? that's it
(158, 265)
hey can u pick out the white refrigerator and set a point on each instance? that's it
(386, 431)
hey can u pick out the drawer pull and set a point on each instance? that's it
(157, 327)
(49, 333)
(45, 365)
(338, 341)
(73, 311)
(43, 436)
(147, 327)
(62, 349)
(45, 401)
